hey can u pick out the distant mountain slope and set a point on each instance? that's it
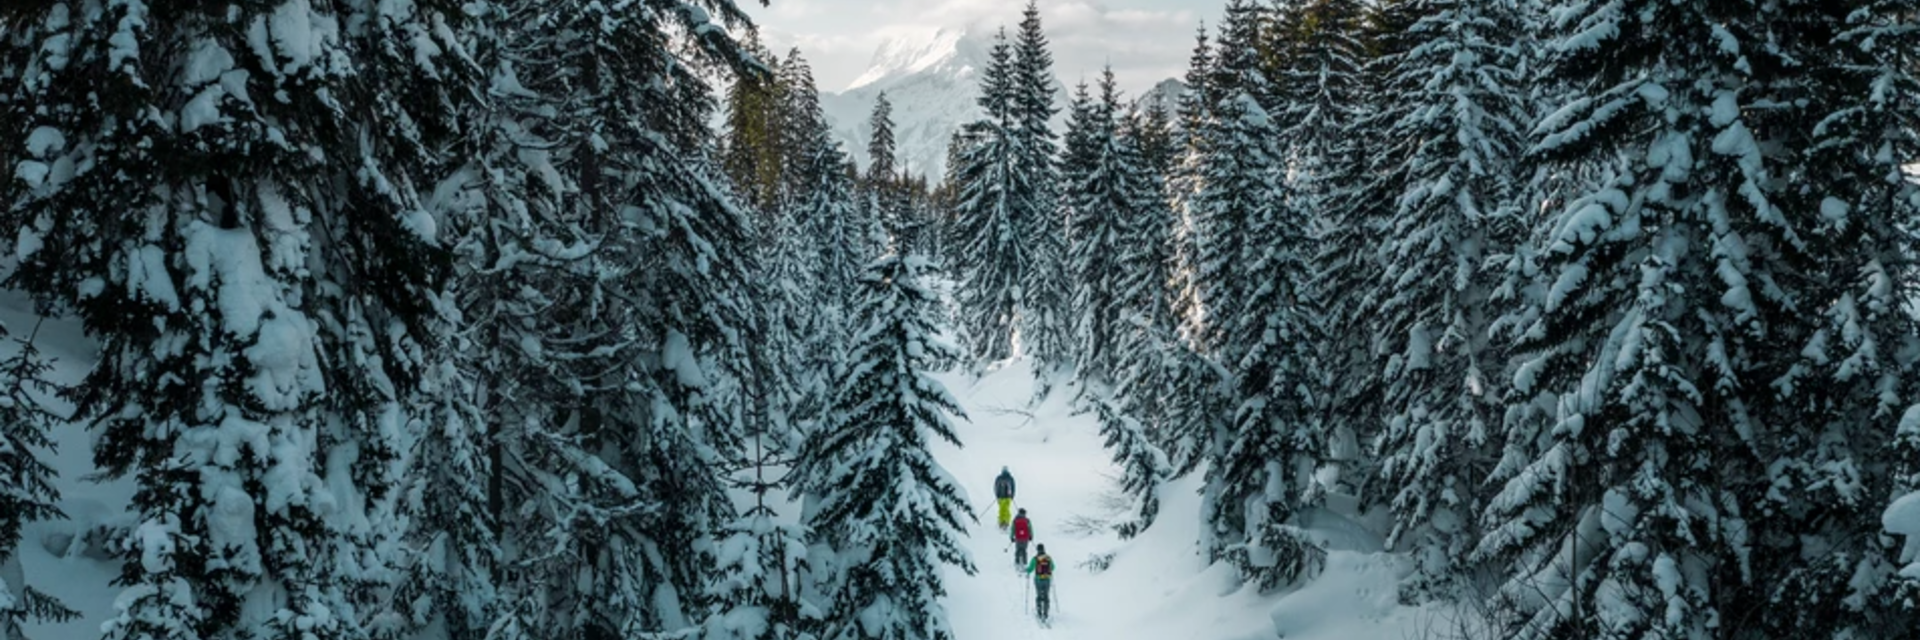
(1167, 92)
(933, 82)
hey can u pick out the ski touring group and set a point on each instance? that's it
(1020, 533)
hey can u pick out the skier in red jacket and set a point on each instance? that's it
(1022, 534)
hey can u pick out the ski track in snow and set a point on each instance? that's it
(1158, 586)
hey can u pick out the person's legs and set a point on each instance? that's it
(1020, 554)
(1005, 516)
(1043, 588)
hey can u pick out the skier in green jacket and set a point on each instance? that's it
(1042, 569)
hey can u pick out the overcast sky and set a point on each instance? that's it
(1145, 40)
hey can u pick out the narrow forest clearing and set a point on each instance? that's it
(1158, 586)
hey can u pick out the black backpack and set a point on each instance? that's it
(1042, 566)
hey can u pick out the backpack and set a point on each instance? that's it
(1043, 566)
(1020, 529)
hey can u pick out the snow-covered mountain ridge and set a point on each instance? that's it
(933, 81)
(949, 51)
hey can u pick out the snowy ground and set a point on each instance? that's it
(53, 558)
(1158, 585)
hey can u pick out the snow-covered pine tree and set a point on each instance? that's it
(606, 262)
(750, 150)
(1145, 382)
(889, 510)
(419, 67)
(880, 143)
(1136, 225)
(1319, 47)
(802, 126)
(839, 240)
(1688, 481)
(1075, 162)
(995, 191)
(1116, 274)
(1254, 247)
(1194, 401)
(261, 359)
(789, 260)
(1451, 194)
(1838, 439)
(883, 191)
(1239, 175)
(754, 592)
(1046, 327)
(1196, 105)
(1143, 465)
(27, 493)
(913, 231)
(1153, 134)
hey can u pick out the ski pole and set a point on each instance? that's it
(1023, 598)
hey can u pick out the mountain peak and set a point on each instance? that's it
(955, 52)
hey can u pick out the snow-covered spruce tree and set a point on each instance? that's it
(1239, 176)
(802, 125)
(750, 149)
(840, 239)
(914, 230)
(606, 265)
(1153, 133)
(1075, 161)
(1320, 99)
(1146, 383)
(27, 493)
(883, 191)
(1451, 194)
(1254, 246)
(264, 296)
(1115, 275)
(1046, 327)
(1699, 478)
(880, 143)
(755, 588)
(1821, 566)
(1193, 402)
(1075, 164)
(995, 195)
(1119, 272)
(425, 54)
(787, 279)
(1143, 465)
(888, 509)
(1159, 229)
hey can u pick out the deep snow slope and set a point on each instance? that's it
(1158, 586)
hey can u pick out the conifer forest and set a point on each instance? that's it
(576, 320)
